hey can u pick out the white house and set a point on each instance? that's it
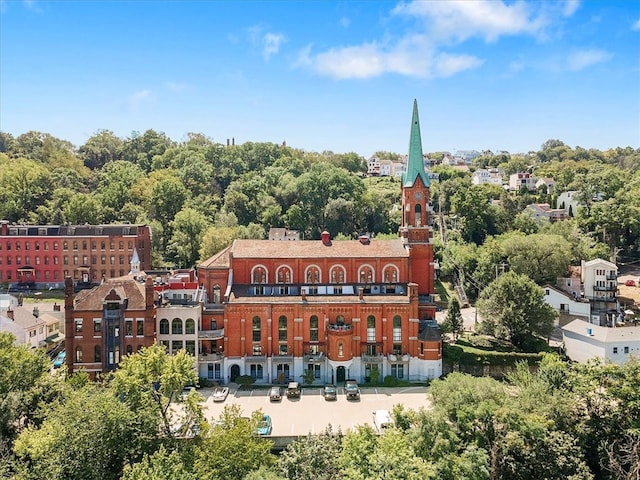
(492, 176)
(567, 304)
(600, 286)
(30, 326)
(542, 212)
(584, 341)
(519, 180)
(568, 201)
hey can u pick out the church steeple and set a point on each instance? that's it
(415, 165)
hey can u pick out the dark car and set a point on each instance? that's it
(293, 390)
(329, 392)
(352, 390)
(275, 395)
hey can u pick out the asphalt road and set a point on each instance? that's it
(311, 413)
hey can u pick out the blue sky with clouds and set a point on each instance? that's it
(326, 75)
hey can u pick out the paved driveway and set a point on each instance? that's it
(311, 413)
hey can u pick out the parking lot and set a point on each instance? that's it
(311, 413)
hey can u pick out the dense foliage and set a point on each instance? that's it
(198, 195)
(563, 421)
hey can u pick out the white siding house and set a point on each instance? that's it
(565, 303)
(584, 341)
(600, 287)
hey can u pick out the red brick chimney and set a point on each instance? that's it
(326, 238)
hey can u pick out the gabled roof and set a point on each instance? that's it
(415, 165)
(602, 334)
(123, 287)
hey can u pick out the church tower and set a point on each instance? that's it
(416, 228)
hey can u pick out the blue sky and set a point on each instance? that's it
(326, 75)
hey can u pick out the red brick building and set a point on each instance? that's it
(103, 324)
(42, 256)
(342, 309)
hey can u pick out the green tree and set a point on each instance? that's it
(232, 449)
(216, 239)
(314, 457)
(160, 465)
(90, 435)
(543, 258)
(513, 308)
(453, 322)
(153, 379)
(101, 148)
(188, 228)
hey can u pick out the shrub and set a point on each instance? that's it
(390, 381)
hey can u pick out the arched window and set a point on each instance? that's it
(313, 328)
(340, 320)
(176, 326)
(341, 349)
(79, 354)
(371, 329)
(337, 274)
(190, 326)
(418, 215)
(282, 328)
(313, 274)
(365, 274)
(259, 275)
(216, 294)
(283, 274)
(97, 354)
(164, 327)
(257, 329)
(390, 274)
(397, 329)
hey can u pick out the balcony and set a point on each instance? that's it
(210, 357)
(372, 358)
(612, 276)
(211, 334)
(398, 358)
(612, 287)
(339, 328)
(314, 357)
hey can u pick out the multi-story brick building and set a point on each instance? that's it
(341, 309)
(42, 256)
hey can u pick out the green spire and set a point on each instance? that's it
(415, 166)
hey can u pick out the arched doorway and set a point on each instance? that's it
(340, 374)
(235, 372)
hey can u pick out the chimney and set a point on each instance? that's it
(149, 293)
(326, 238)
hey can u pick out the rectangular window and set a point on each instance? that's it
(128, 327)
(78, 325)
(371, 335)
(210, 371)
(190, 347)
(397, 334)
(283, 349)
(397, 349)
(140, 328)
(257, 349)
(256, 371)
(176, 346)
(397, 371)
(97, 325)
(626, 349)
(615, 350)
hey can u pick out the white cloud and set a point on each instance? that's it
(413, 56)
(267, 42)
(271, 44)
(459, 20)
(586, 58)
(636, 25)
(137, 98)
(570, 7)
(345, 22)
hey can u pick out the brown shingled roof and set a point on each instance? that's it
(124, 287)
(316, 249)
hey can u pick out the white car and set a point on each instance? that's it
(220, 394)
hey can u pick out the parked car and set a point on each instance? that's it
(275, 395)
(352, 390)
(329, 392)
(264, 427)
(382, 420)
(59, 361)
(185, 393)
(293, 390)
(220, 394)
(630, 283)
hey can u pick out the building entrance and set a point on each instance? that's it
(340, 374)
